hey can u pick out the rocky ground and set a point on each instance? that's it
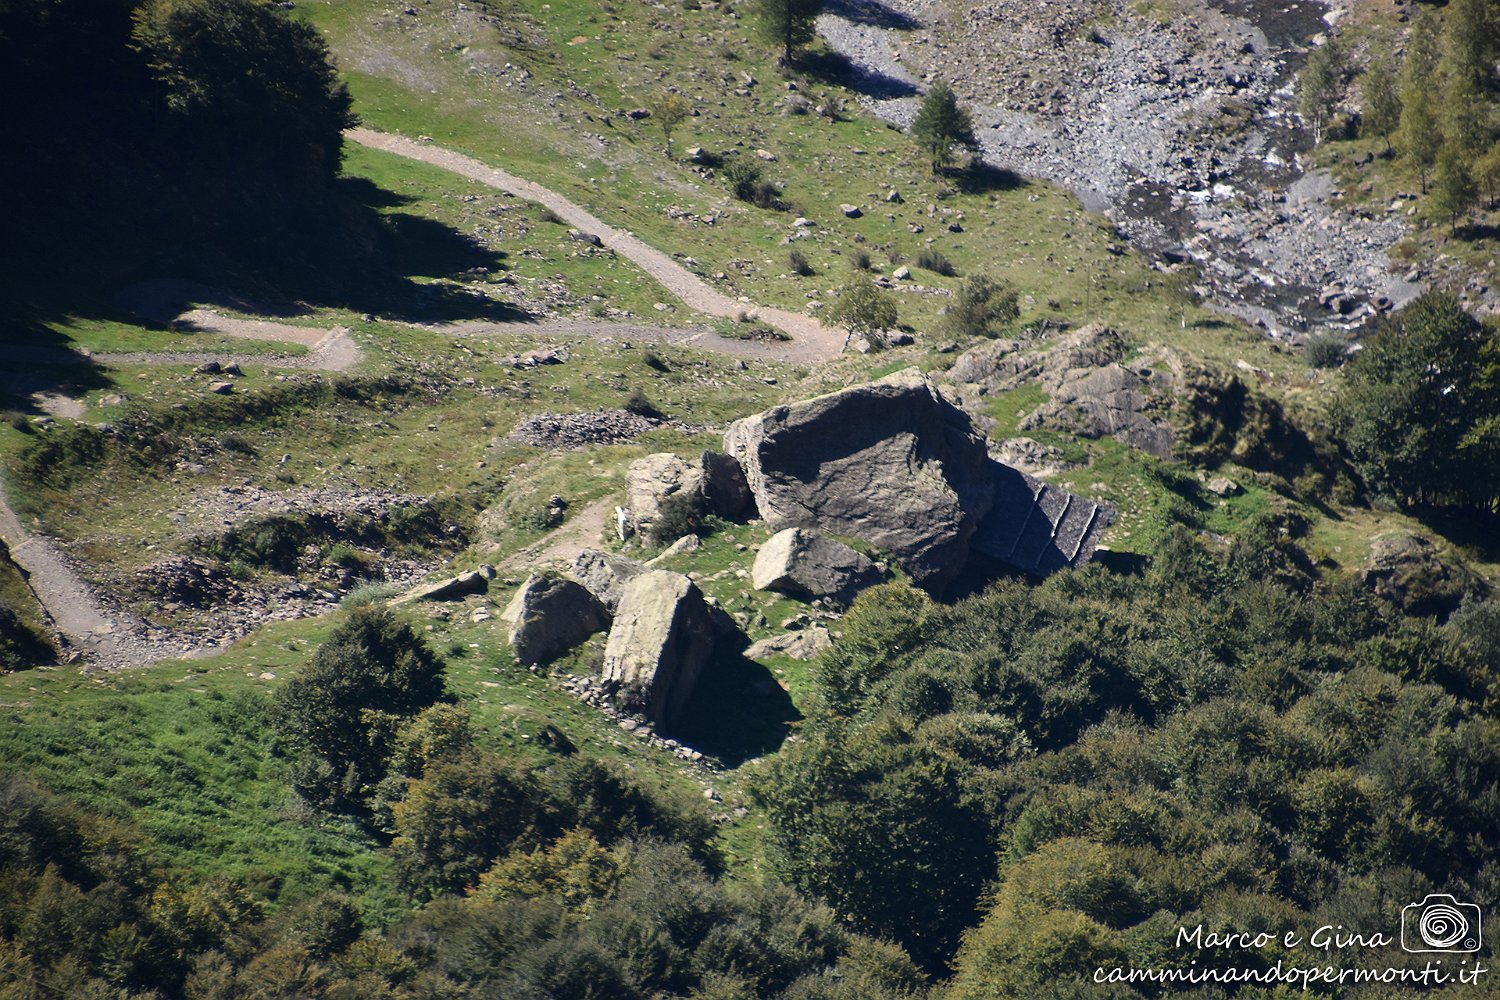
(1181, 129)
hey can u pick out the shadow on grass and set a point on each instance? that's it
(834, 68)
(341, 251)
(738, 711)
(1475, 530)
(980, 177)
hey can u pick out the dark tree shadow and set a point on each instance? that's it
(738, 711)
(980, 177)
(835, 68)
(872, 13)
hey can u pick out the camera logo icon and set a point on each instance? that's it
(1440, 923)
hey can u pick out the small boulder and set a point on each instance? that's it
(687, 543)
(803, 645)
(604, 574)
(462, 585)
(550, 615)
(851, 211)
(221, 388)
(811, 565)
(715, 480)
(901, 273)
(652, 479)
(662, 638)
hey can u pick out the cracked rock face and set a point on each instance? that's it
(896, 464)
(662, 638)
(1093, 390)
(891, 462)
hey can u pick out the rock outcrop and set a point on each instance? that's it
(1093, 391)
(811, 565)
(896, 464)
(715, 481)
(891, 462)
(604, 574)
(802, 645)
(1406, 570)
(550, 615)
(662, 638)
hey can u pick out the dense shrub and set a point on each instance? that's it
(679, 514)
(748, 185)
(934, 261)
(983, 307)
(341, 713)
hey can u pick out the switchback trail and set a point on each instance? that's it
(811, 340)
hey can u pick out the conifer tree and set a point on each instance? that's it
(941, 124)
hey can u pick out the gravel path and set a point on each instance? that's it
(811, 340)
(86, 626)
(585, 530)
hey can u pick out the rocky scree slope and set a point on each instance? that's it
(1182, 130)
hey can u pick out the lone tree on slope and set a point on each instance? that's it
(671, 111)
(941, 124)
(789, 23)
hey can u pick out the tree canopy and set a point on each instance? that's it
(341, 714)
(941, 124)
(1419, 404)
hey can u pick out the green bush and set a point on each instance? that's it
(679, 514)
(983, 307)
(932, 260)
(341, 712)
(1325, 350)
(747, 184)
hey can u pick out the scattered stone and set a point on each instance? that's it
(1222, 486)
(208, 368)
(901, 273)
(576, 430)
(550, 615)
(851, 211)
(221, 388)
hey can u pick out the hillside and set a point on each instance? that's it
(512, 564)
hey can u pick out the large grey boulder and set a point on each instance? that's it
(808, 564)
(713, 480)
(550, 615)
(604, 574)
(891, 462)
(662, 637)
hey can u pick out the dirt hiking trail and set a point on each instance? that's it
(811, 340)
